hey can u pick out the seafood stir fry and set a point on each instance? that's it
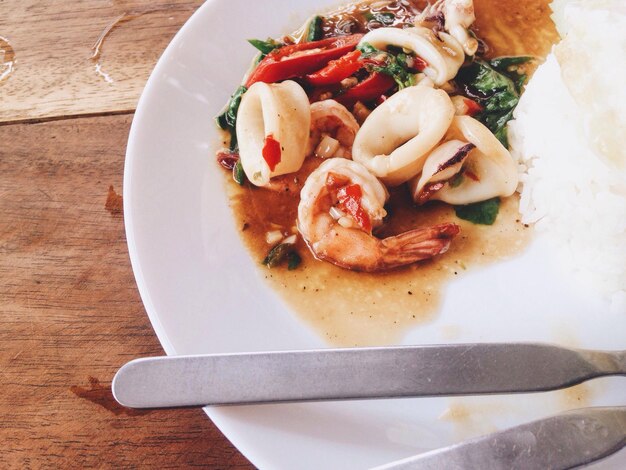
(373, 97)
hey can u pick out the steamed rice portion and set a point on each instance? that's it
(568, 135)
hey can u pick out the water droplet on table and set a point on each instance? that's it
(7, 59)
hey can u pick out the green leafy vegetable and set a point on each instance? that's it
(293, 260)
(504, 64)
(385, 18)
(367, 50)
(496, 86)
(228, 119)
(481, 213)
(315, 32)
(456, 181)
(508, 66)
(265, 46)
(280, 253)
(238, 174)
(393, 65)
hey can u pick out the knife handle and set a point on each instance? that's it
(358, 373)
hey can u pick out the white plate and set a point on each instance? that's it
(204, 293)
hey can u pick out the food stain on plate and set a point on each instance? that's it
(472, 419)
(579, 396)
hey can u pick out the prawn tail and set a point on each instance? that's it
(417, 245)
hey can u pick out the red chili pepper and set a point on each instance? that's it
(337, 70)
(473, 107)
(428, 191)
(227, 158)
(271, 152)
(419, 64)
(301, 59)
(381, 99)
(336, 181)
(369, 89)
(350, 200)
(471, 175)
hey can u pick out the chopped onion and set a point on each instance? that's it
(336, 213)
(273, 237)
(327, 147)
(290, 240)
(346, 222)
(360, 112)
(349, 82)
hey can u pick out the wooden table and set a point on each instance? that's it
(70, 313)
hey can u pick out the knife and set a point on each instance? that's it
(358, 373)
(564, 441)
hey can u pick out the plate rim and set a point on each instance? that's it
(129, 225)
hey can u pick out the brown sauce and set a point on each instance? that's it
(355, 309)
(366, 16)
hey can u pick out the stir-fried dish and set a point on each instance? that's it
(377, 97)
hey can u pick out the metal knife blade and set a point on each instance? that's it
(359, 373)
(564, 441)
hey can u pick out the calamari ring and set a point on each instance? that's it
(395, 139)
(443, 54)
(489, 170)
(278, 110)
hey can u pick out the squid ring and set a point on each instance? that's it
(395, 139)
(278, 114)
(487, 169)
(443, 54)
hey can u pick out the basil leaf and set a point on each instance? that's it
(367, 49)
(228, 119)
(506, 65)
(394, 66)
(385, 18)
(496, 88)
(480, 213)
(282, 252)
(293, 260)
(503, 64)
(315, 32)
(265, 46)
(238, 174)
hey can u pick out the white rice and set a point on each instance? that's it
(568, 136)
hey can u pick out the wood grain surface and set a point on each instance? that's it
(54, 74)
(70, 313)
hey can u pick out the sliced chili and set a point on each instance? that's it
(271, 152)
(301, 59)
(336, 181)
(227, 158)
(337, 70)
(473, 107)
(350, 200)
(428, 191)
(369, 89)
(419, 64)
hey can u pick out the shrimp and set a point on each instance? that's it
(333, 129)
(457, 16)
(341, 204)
